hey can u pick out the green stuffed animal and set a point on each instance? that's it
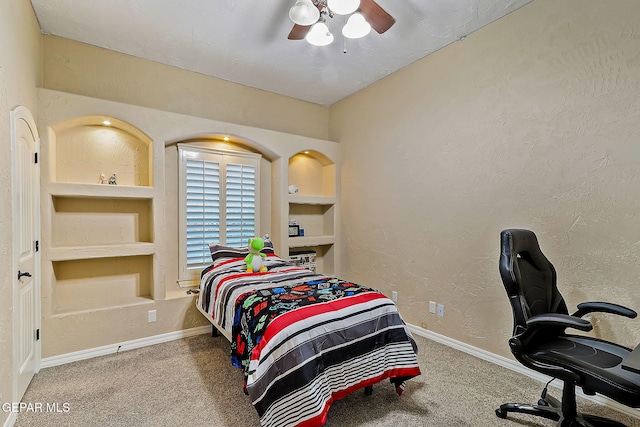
(254, 262)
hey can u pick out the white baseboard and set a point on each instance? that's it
(517, 367)
(123, 346)
(13, 416)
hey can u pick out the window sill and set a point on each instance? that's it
(188, 283)
(179, 294)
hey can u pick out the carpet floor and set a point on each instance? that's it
(190, 382)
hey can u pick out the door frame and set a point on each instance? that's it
(23, 113)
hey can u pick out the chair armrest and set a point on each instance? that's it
(562, 320)
(604, 307)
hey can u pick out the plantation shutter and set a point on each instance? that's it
(202, 210)
(219, 195)
(240, 199)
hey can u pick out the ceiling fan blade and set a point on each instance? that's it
(298, 32)
(379, 19)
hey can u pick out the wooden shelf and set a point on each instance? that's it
(98, 190)
(67, 253)
(305, 241)
(311, 200)
(83, 307)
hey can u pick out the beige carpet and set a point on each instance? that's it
(190, 382)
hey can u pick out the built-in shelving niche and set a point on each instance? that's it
(316, 220)
(97, 221)
(83, 148)
(82, 285)
(313, 173)
(98, 238)
(313, 206)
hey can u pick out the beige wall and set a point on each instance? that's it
(532, 122)
(19, 75)
(99, 73)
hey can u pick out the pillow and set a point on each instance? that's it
(219, 251)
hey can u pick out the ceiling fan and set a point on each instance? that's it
(307, 13)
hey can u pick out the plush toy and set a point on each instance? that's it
(254, 259)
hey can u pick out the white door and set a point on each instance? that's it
(26, 255)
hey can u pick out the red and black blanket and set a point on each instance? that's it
(303, 339)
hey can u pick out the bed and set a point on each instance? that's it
(303, 340)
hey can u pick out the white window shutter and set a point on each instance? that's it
(219, 195)
(202, 210)
(240, 190)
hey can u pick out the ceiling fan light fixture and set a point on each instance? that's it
(343, 7)
(304, 13)
(356, 27)
(319, 35)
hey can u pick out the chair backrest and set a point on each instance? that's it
(528, 277)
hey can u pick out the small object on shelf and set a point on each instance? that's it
(112, 179)
(294, 230)
(304, 259)
(103, 179)
(293, 189)
(301, 232)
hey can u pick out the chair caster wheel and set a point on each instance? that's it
(543, 402)
(500, 413)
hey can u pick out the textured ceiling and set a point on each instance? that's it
(245, 41)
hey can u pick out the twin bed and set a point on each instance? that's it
(303, 340)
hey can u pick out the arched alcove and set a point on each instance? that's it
(227, 141)
(221, 144)
(83, 148)
(312, 173)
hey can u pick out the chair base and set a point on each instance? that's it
(551, 408)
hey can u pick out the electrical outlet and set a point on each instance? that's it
(432, 307)
(441, 310)
(394, 296)
(151, 314)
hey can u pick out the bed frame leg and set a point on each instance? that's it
(214, 331)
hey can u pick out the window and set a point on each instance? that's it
(219, 194)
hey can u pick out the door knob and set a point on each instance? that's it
(25, 274)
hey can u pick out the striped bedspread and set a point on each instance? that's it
(303, 339)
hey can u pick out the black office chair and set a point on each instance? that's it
(540, 342)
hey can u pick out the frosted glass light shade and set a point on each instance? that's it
(319, 35)
(356, 27)
(304, 13)
(343, 7)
